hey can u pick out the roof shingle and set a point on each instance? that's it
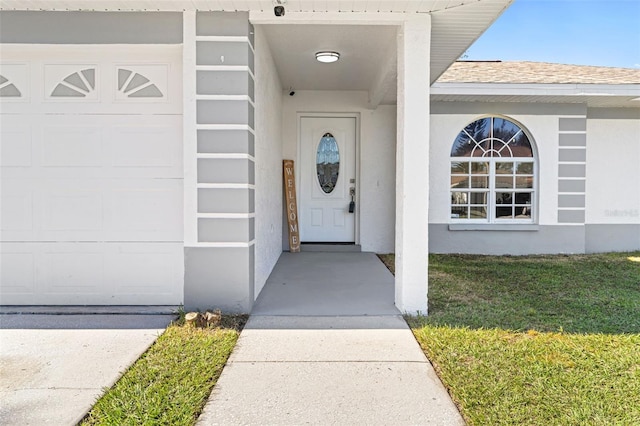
(523, 72)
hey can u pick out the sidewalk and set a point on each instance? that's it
(295, 365)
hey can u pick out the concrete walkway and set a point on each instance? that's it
(326, 346)
(54, 367)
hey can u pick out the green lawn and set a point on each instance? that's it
(170, 383)
(536, 340)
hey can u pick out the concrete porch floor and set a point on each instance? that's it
(325, 345)
(327, 284)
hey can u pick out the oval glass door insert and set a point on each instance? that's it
(328, 163)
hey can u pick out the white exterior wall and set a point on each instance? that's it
(542, 123)
(613, 167)
(450, 118)
(376, 158)
(268, 154)
(613, 180)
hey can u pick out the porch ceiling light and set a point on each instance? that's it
(327, 57)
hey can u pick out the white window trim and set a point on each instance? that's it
(494, 227)
(491, 203)
(491, 223)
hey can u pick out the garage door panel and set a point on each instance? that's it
(145, 146)
(92, 210)
(71, 211)
(17, 274)
(75, 270)
(91, 273)
(91, 175)
(15, 146)
(93, 79)
(146, 211)
(72, 146)
(16, 213)
(119, 147)
(143, 272)
(68, 209)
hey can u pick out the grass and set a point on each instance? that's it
(170, 383)
(536, 340)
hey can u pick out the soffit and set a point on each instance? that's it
(454, 30)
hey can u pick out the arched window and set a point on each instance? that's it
(493, 173)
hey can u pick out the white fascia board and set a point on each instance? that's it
(106, 5)
(406, 7)
(512, 89)
(332, 18)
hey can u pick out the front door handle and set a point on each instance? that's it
(352, 204)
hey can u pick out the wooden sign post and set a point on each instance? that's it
(291, 205)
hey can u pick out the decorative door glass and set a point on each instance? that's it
(327, 163)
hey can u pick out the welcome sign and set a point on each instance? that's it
(291, 205)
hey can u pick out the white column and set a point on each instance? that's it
(190, 148)
(412, 165)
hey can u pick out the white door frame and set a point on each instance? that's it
(298, 167)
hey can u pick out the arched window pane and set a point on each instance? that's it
(479, 129)
(462, 146)
(504, 129)
(492, 137)
(520, 146)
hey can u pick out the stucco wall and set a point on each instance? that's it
(376, 153)
(613, 180)
(542, 122)
(70, 27)
(220, 251)
(268, 153)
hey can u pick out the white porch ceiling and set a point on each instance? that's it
(363, 50)
(368, 51)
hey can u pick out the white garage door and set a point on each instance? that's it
(91, 175)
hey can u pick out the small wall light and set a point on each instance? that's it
(327, 57)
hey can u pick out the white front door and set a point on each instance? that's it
(327, 179)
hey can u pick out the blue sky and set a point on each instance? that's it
(582, 32)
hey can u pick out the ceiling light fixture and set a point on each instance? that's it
(327, 57)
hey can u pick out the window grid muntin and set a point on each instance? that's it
(491, 191)
(492, 129)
